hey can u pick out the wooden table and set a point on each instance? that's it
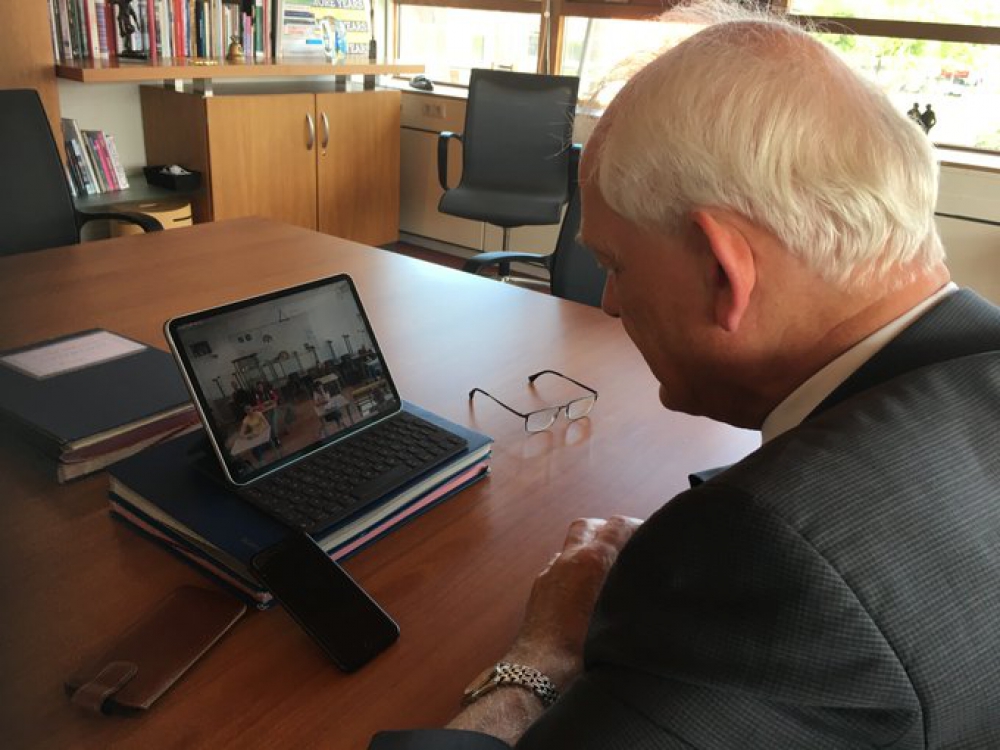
(455, 579)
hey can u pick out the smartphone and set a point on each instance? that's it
(327, 603)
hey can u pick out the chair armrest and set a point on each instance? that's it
(147, 222)
(443, 139)
(477, 263)
(575, 151)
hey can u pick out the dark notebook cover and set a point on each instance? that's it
(57, 411)
(241, 582)
(189, 502)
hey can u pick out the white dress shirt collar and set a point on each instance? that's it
(800, 402)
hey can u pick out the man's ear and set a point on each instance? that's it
(735, 266)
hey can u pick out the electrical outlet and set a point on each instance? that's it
(434, 110)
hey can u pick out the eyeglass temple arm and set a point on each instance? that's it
(512, 411)
(531, 379)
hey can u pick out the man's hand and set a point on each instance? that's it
(563, 598)
(555, 625)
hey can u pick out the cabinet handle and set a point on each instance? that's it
(326, 129)
(312, 132)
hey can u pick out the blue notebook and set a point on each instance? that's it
(162, 492)
(87, 386)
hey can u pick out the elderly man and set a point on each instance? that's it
(779, 268)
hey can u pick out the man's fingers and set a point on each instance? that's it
(582, 531)
(617, 530)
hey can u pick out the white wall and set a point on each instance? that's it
(973, 249)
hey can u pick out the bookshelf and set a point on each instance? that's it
(192, 69)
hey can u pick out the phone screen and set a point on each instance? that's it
(339, 615)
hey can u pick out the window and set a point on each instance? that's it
(945, 54)
(452, 41)
(592, 48)
(967, 12)
(924, 52)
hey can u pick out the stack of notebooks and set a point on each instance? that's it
(92, 398)
(171, 495)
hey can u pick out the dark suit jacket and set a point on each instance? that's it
(838, 588)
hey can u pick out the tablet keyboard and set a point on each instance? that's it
(335, 483)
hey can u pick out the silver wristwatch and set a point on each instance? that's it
(506, 673)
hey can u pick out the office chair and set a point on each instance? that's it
(573, 271)
(516, 162)
(36, 208)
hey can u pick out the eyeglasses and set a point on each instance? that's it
(541, 419)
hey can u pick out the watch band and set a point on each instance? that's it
(505, 673)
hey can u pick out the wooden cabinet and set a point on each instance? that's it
(358, 167)
(26, 57)
(322, 160)
(261, 152)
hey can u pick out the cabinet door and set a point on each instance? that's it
(262, 151)
(358, 166)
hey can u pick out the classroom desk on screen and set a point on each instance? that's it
(455, 579)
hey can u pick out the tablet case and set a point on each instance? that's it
(153, 653)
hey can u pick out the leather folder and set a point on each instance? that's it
(153, 653)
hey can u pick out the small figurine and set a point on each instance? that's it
(928, 119)
(128, 22)
(235, 52)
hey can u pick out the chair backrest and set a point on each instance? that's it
(575, 273)
(518, 130)
(36, 208)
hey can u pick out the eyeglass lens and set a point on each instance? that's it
(541, 420)
(580, 407)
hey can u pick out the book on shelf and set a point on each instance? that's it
(93, 397)
(90, 29)
(168, 495)
(116, 161)
(79, 158)
(92, 159)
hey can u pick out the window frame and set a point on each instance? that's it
(552, 15)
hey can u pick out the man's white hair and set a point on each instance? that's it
(754, 115)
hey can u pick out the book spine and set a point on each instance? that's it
(73, 168)
(222, 40)
(71, 136)
(178, 28)
(116, 161)
(89, 188)
(53, 31)
(164, 28)
(107, 165)
(74, 29)
(258, 27)
(192, 30)
(199, 25)
(151, 31)
(93, 40)
(104, 40)
(247, 34)
(112, 31)
(69, 179)
(95, 159)
(65, 43)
